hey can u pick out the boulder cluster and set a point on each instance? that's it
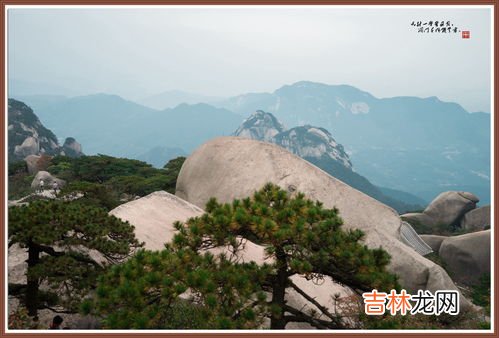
(232, 167)
(457, 209)
(467, 256)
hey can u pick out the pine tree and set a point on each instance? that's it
(301, 238)
(69, 245)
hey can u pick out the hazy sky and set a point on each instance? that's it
(229, 51)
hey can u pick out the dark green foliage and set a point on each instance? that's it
(100, 168)
(59, 237)
(20, 320)
(437, 229)
(143, 292)
(300, 228)
(426, 229)
(19, 185)
(435, 258)
(481, 293)
(300, 235)
(107, 181)
(18, 167)
(175, 164)
(104, 181)
(94, 194)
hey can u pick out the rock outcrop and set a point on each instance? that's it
(467, 257)
(153, 217)
(71, 148)
(416, 218)
(477, 219)
(260, 126)
(229, 167)
(317, 146)
(26, 134)
(305, 141)
(451, 209)
(48, 181)
(27, 137)
(450, 206)
(434, 241)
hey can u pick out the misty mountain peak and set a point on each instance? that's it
(305, 141)
(260, 126)
(313, 142)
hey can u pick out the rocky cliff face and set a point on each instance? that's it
(71, 148)
(313, 142)
(438, 144)
(304, 141)
(28, 136)
(260, 126)
(317, 146)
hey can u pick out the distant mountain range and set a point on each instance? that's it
(172, 98)
(111, 125)
(317, 145)
(421, 145)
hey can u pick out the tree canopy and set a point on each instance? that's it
(104, 181)
(69, 245)
(300, 237)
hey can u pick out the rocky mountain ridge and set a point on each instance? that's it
(317, 146)
(438, 144)
(28, 136)
(304, 141)
(109, 124)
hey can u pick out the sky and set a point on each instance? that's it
(227, 51)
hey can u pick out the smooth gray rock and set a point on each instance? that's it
(467, 256)
(434, 241)
(71, 148)
(153, 217)
(448, 207)
(229, 167)
(260, 126)
(48, 180)
(416, 218)
(477, 219)
(30, 146)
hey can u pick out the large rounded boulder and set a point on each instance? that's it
(48, 181)
(450, 206)
(434, 241)
(229, 167)
(477, 219)
(153, 217)
(467, 257)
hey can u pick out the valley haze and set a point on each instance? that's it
(410, 109)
